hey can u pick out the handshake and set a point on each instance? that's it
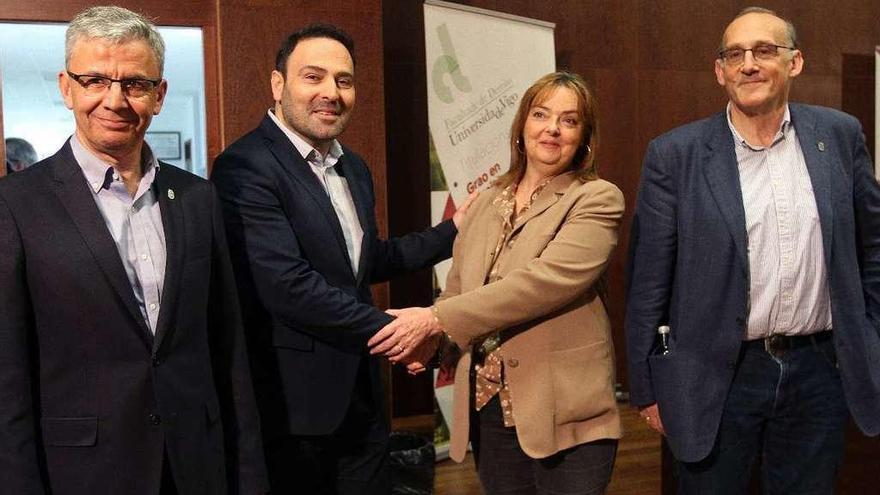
(412, 338)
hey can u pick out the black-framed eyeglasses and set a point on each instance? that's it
(132, 87)
(737, 55)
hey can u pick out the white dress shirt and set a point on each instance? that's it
(336, 187)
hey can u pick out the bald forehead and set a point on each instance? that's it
(756, 25)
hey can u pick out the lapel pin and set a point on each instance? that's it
(171, 194)
(821, 145)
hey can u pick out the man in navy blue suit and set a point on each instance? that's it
(299, 207)
(756, 238)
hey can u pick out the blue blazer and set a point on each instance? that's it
(689, 267)
(307, 316)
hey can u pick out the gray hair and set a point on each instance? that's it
(789, 27)
(114, 24)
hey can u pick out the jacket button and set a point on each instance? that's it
(513, 363)
(731, 365)
(156, 361)
(155, 419)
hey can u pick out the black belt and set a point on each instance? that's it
(778, 345)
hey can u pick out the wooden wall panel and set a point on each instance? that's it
(857, 93)
(189, 13)
(2, 142)
(409, 201)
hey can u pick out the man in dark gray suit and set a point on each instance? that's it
(123, 368)
(756, 238)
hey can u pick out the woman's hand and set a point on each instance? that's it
(417, 362)
(400, 339)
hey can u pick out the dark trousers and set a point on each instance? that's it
(791, 409)
(504, 468)
(167, 486)
(350, 461)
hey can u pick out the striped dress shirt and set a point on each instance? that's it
(788, 278)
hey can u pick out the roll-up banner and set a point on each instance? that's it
(479, 63)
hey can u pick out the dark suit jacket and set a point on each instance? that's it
(689, 267)
(307, 316)
(89, 398)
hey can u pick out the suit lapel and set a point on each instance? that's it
(73, 192)
(722, 174)
(493, 230)
(554, 190)
(548, 197)
(814, 145)
(294, 164)
(173, 225)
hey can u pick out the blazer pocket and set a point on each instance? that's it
(582, 382)
(287, 338)
(70, 432)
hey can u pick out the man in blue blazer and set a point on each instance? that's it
(123, 367)
(756, 238)
(299, 208)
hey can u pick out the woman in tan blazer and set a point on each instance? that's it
(534, 387)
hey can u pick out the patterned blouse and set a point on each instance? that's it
(490, 369)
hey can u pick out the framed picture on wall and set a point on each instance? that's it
(165, 145)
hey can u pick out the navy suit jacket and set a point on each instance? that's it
(307, 316)
(689, 268)
(90, 401)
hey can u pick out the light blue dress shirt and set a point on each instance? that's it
(135, 223)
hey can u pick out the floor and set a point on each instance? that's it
(636, 472)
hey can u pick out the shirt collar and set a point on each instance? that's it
(97, 171)
(780, 134)
(305, 149)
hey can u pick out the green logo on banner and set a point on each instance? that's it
(447, 64)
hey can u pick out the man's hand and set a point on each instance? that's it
(400, 339)
(460, 213)
(651, 414)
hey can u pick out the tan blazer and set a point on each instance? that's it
(556, 340)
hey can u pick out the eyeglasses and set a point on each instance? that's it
(131, 87)
(736, 56)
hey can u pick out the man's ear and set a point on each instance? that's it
(64, 87)
(277, 81)
(161, 91)
(719, 73)
(797, 64)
